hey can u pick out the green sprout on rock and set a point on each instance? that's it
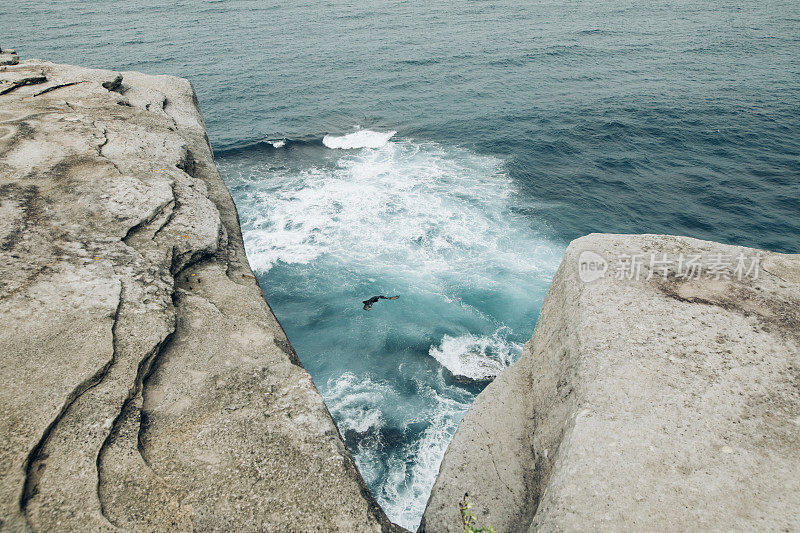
(468, 519)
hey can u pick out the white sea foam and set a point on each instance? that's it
(475, 357)
(416, 209)
(438, 220)
(278, 143)
(354, 403)
(411, 475)
(406, 476)
(348, 395)
(358, 139)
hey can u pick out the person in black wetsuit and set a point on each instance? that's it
(368, 303)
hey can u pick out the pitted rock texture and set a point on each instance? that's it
(663, 402)
(147, 384)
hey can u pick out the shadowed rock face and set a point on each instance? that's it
(668, 403)
(146, 383)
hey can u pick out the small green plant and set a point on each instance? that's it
(468, 519)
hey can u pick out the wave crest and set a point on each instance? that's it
(358, 139)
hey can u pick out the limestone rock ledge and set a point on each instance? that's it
(670, 403)
(146, 383)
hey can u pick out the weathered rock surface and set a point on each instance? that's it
(146, 383)
(661, 404)
(8, 57)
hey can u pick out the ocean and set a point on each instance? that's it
(447, 153)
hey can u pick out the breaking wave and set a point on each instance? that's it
(358, 139)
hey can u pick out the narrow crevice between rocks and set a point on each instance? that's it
(55, 87)
(195, 256)
(144, 370)
(133, 231)
(102, 145)
(31, 80)
(34, 462)
(188, 164)
(176, 204)
(142, 381)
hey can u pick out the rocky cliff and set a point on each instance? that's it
(148, 386)
(146, 383)
(660, 391)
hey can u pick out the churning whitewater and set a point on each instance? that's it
(328, 224)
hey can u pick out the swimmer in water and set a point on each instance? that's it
(368, 303)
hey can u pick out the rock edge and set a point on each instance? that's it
(653, 404)
(148, 384)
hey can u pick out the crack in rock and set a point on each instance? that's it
(34, 464)
(30, 80)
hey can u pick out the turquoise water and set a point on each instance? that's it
(518, 127)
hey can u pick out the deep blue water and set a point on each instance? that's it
(519, 126)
